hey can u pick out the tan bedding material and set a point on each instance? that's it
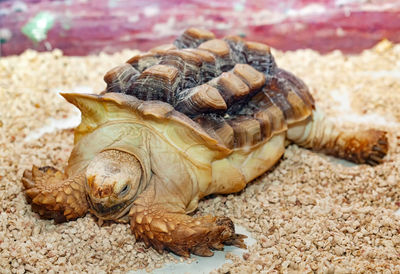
(308, 213)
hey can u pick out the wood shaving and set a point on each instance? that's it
(307, 214)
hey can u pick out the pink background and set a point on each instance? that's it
(84, 27)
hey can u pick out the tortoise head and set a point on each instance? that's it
(113, 180)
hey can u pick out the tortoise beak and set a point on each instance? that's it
(101, 210)
(105, 212)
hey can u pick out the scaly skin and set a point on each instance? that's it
(368, 146)
(53, 195)
(321, 134)
(166, 226)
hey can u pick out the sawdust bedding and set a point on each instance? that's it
(308, 214)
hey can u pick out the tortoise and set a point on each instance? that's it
(198, 117)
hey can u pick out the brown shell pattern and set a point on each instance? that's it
(232, 88)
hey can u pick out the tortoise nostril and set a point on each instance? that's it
(99, 189)
(103, 192)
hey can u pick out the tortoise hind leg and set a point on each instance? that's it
(53, 195)
(320, 134)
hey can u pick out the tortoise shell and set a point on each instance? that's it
(230, 87)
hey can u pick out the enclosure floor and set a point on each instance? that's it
(309, 213)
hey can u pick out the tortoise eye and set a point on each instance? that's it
(124, 191)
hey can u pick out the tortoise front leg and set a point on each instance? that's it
(321, 134)
(53, 195)
(166, 226)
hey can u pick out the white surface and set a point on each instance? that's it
(204, 264)
(52, 125)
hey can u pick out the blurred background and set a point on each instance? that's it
(82, 27)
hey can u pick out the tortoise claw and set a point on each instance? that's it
(376, 147)
(202, 250)
(238, 241)
(181, 251)
(27, 179)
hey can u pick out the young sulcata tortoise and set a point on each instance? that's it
(181, 122)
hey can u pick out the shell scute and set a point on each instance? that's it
(217, 127)
(119, 78)
(247, 131)
(193, 37)
(253, 78)
(208, 69)
(217, 47)
(236, 44)
(231, 88)
(221, 51)
(163, 49)
(144, 61)
(200, 99)
(187, 64)
(158, 82)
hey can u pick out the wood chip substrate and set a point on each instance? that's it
(310, 213)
